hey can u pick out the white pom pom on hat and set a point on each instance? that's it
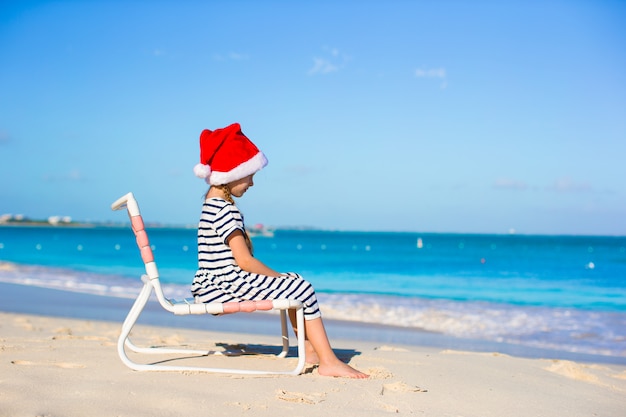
(202, 171)
(227, 155)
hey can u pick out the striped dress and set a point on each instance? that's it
(220, 279)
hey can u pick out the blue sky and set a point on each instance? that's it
(432, 116)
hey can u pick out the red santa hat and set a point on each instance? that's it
(227, 155)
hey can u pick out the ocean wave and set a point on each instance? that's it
(563, 329)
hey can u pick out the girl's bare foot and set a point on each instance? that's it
(340, 369)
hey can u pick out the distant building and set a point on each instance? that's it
(12, 218)
(55, 220)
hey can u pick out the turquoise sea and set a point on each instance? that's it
(566, 293)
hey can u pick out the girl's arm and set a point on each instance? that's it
(244, 258)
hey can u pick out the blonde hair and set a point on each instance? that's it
(225, 189)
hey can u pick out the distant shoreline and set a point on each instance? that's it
(112, 225)
(71, 225)
(88, 225)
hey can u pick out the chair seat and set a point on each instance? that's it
(190, 306)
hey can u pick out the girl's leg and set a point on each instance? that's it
(311, 354)
(329, 364)
(318, 350)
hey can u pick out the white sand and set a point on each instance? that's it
(64, 367)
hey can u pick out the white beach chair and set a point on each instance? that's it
(189, 306)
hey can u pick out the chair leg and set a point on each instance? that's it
(138, 306)
(285, 334)
(129, 323)
(301, 341)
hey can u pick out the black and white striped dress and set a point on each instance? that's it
(220, 279)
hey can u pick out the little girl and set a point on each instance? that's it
(227, 271)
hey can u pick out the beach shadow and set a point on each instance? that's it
(251, 349)
(257, 349)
